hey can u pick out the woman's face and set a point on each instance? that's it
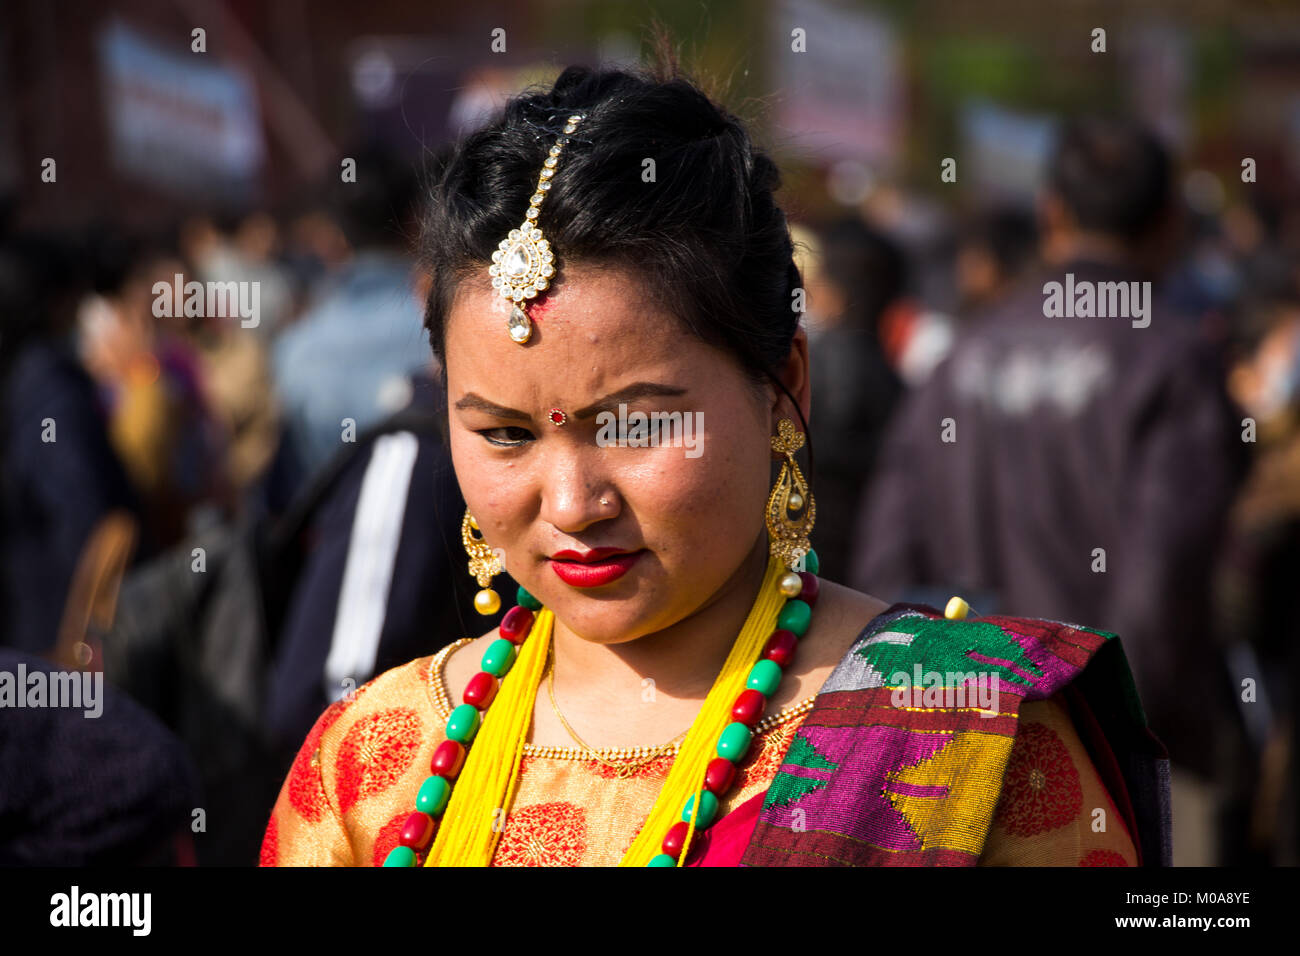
(683, 515)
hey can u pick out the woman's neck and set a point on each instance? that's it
(683, 660)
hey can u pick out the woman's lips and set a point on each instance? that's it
(593, 568)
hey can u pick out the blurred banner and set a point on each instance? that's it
(1005, 150)
(179, 121)
(841, 97)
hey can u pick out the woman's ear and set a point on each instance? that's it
(794, 375)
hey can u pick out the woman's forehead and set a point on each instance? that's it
(594, 321)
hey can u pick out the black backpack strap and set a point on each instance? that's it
(421, 421)
(275, 541)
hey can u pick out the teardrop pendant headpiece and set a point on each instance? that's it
(523, 263)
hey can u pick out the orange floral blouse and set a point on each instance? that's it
(354, 781)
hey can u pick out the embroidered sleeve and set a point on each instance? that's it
(1054, 809)
(305, 828)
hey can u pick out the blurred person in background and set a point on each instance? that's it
(1080, 468)
(115, 789)
(855, 277)
(249, 252)
(239, 392)
(60, 475)
(158, 418)
(993, 251)
(315, 247)
(1256, 580)
(346, 360)
(235, 370)
(259, 246)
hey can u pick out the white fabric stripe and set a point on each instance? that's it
(368, 572)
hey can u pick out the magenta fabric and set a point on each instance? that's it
(724, 843)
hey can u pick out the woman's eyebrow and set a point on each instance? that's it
(630, 393)
(481, 404)
(636, 390)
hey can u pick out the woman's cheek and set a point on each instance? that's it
(488, 485)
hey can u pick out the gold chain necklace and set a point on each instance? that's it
(620, 769)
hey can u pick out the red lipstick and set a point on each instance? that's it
(591, 569)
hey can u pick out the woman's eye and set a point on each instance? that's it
(507, 437)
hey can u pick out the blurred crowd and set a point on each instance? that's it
(241, 522)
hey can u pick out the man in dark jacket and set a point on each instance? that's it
(1075, 456)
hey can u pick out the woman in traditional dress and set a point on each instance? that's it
(616, 309)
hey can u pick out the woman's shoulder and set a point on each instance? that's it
(402, 695)
(838, 617)
(908, 643)
(359, 766)
(1060, 803)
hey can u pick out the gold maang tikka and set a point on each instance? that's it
(484, 565)
(523, 263)
(791, 510)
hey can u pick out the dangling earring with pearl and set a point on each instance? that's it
(484, 565)
(791, 512)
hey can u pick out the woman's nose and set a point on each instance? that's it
(575, 494)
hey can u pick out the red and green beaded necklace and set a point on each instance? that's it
(800, 588)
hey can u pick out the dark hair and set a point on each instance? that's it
(1112, 174)
(1008, 233)
(374, 210)
(868, 266)
(706, 238)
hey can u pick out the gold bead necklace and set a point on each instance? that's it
(443, 706)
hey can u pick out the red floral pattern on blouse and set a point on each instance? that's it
(387, 838)
(270, 844)
(306, 794)
(544, 834)
(1041, 791)
(375, 753)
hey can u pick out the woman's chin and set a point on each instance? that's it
(606, 617)
(607, 621)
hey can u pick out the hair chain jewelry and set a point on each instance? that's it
(523, 263)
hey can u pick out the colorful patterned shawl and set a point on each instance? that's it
(868, 783)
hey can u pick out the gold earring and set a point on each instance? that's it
(484, 565)
(788, 536)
